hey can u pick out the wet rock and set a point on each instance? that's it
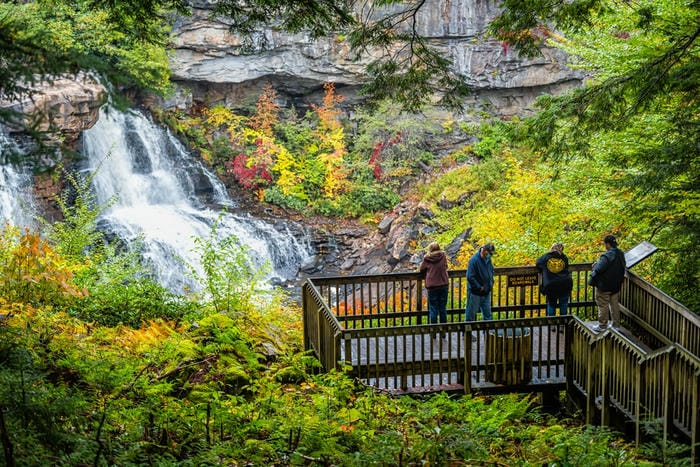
(453, 248)
(68, 104)
(385, 224)
(331, 257)
(311, 265)
(352, 233)
(400, 248)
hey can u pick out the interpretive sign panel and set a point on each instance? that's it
(639, 252)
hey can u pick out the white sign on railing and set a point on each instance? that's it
(639, 252)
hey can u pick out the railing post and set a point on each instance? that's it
(419, 298)
(590, 390)
(467, 375)
(695, 422)
(336, 348)
(604, 392)
(305, 311)
(568, 356)
(667, 402)
(637, 403)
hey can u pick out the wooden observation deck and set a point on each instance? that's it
(647, 371)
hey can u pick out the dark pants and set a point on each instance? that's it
(562, 301)
(437, 305)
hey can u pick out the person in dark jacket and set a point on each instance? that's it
(556, 279)
(480, 283)
(434, 266)
(607, 276)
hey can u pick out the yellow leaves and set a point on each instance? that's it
(288, 171)
(32, 272)
(219, 116)
(150, 335)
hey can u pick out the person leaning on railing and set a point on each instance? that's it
(480, 283)
(434, 265)
(556, 280)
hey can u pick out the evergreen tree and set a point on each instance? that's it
(639, 113)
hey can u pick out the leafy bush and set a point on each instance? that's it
(33, 273)
(363, 199)
(274, 195)
(230, 283)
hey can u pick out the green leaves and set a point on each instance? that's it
(637, 115)
(230, 283)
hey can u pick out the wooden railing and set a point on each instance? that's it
(378, 325)
(520, 352)
(322, 332)
(399, 299)
(607, 372)
(660, 316)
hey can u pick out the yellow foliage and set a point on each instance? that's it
(32, 272)
(288, 171)
(151, 334)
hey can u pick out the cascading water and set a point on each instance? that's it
(167, 199)
(16, 198)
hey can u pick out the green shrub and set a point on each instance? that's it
(365, 199)
(274, 195)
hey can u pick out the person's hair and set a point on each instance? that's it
(434, 246)
(557, 247)
(610, 239)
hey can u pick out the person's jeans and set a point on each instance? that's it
(552, 305)
(477, 303)
(608, 307)
(437, 305)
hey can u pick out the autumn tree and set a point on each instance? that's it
(638, 115)
(266, 111)
(331, 135)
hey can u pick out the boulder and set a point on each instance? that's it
(67, 105)
(385, 223)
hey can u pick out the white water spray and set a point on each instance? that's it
(17, 205)
(167, 198)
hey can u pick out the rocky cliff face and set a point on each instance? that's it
(216, 67)
(63, 107)
(66, 105)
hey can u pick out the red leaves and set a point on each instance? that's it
(250, 177)
(376, 158)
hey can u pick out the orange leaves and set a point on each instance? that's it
(150, 335)
(33, 273)
(266, 111)
(329, 113)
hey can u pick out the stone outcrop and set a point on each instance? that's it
(217, 66)
(66, 105)
(396, 244)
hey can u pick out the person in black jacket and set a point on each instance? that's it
(480, 283)
(556, 279)
(434, 266)
(607, 276)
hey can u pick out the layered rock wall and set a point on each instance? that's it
(66, 105)
(217, 66)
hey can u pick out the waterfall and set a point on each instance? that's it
(17, 204)
(167, 198)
